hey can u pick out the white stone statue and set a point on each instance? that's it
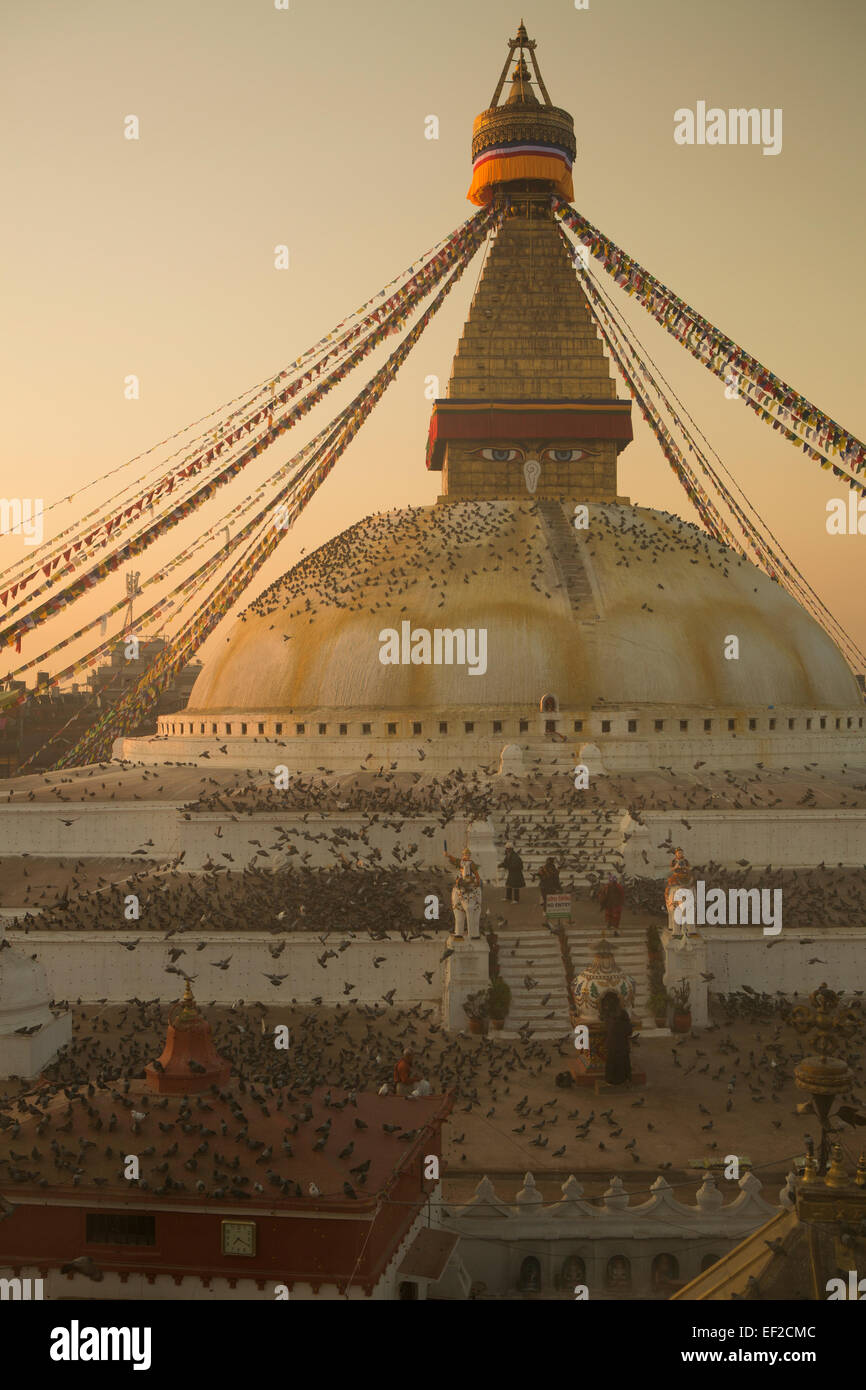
(466, 896)
(680, 877)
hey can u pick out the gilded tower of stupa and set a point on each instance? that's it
(530, 381)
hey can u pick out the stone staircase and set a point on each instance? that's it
(534, 953)
(587, 845)
(569, 560)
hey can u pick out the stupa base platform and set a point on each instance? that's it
(25, 1056)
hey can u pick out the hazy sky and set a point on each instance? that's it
(306, 127)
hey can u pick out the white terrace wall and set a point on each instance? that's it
(159, 828)
(104, 829)
(97, 965)
(739, 956)
(785, 839)
(339, 831)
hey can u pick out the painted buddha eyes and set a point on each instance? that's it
(495, 455)
(501, 455)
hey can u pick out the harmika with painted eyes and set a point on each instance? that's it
(517, 454)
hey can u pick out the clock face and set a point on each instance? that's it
(239, 1237)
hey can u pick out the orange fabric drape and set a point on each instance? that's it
(503, 168)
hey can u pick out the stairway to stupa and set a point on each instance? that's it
(587, 845)
(569, 559)
(534, 954)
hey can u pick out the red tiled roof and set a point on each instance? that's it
(73, 1141)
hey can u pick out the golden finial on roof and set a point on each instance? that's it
(810, 1168)
(823, 1075)
(185, 1011)
(836, 1174)
(521, 86)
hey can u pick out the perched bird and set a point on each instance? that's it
(86, 1265)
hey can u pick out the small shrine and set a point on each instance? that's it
(189, 1061)
(597, 993)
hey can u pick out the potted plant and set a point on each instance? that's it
(653, 944)
(498, 1002)
(682, 1019)
(658, 1003)
(475, 1009)
(658, 995)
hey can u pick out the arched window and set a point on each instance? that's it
(708, 1261)
(548, 704)
(530, 1276)
(665, 1271)
(618, 1273)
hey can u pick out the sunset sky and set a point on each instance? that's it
(306, 127)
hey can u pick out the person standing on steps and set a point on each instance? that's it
(514, 880)
(548, 881)
(617, 1066)
(611, 897)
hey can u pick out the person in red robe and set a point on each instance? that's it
(404, 1078)
(611, 898)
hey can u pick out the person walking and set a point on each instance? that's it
(548, 881)
(514, 880)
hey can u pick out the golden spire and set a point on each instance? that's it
(836, 1174)
(824, 1076)
(187, 1009)
(524, 139)
(521, 90)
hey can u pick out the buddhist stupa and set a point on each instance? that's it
(610, 635)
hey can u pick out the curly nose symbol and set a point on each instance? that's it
(532, 472)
